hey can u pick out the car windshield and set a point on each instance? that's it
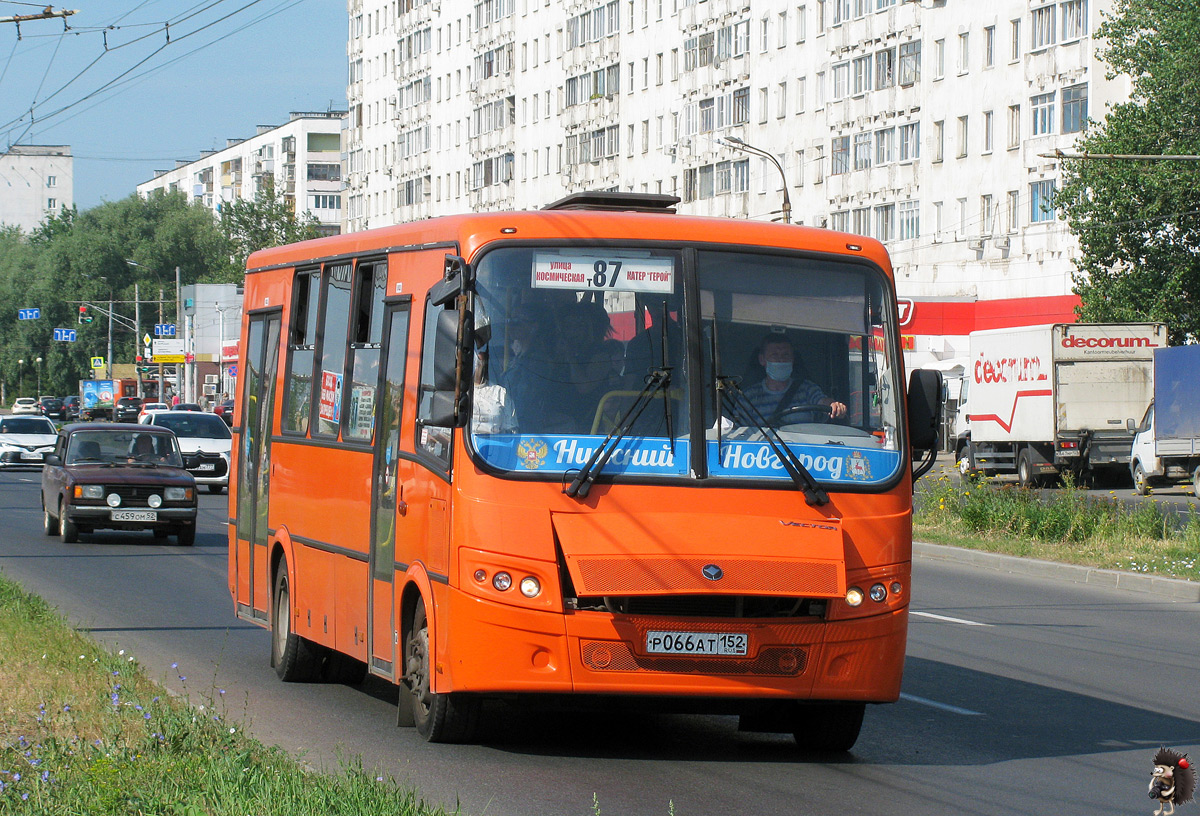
(120, 447)
(192, 425)
(26, 425)
(575, 344)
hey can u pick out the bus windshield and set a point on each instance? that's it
(795, 359)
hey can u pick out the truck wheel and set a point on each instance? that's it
(1140, 483)
(437, 717)
(1025, 476)
(1196, 482)
(294, 658)
(966, 462)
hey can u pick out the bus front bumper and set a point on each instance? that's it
(502, 649)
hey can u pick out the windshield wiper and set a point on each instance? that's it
(657, 380)
(740, 404)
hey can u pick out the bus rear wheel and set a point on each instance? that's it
(437, 717)
(292, 656)
(828, 726)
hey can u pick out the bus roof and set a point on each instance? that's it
(469, 232)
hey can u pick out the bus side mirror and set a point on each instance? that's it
(924, 409)
(452, 366)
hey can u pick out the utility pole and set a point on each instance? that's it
(738, 144)
(47, 13)
(137, 335)
(161, 391)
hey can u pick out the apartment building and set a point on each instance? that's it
(35, 181)
(930, 125)
(302, 158)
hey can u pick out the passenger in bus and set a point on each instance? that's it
(491, 410)
(785, 388)
(587, 363)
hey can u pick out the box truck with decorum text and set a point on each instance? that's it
(1045, 400)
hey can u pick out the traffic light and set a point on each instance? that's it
(84, 317)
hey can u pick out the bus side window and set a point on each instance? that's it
(302, 339)
(430, 439)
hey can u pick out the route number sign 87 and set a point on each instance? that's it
(587, 272)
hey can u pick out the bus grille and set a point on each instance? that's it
(615, 655)
(622, 576)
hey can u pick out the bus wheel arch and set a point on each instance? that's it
(294, 657)
(448, 717)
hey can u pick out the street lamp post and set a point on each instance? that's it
(39, 373)
(735, 142)
(20, 377)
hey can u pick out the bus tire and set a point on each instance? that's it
(293, 657)
(437, 717)
(828, 726)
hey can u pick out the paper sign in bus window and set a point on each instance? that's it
(603, 271)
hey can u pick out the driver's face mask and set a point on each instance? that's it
(778, 371)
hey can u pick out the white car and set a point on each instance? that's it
(26, 405)
(25, 440)
(204, 440)
(147, 407)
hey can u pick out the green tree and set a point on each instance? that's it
(74, 258)
(269, 220)
(1138, 222)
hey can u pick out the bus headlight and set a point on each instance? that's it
(878, 593)
(854, 596)
(501, 581)
(530, 587)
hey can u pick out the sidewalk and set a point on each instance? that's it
(1172, 589)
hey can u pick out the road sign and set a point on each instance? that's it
(164, 329)
(97, 362)
(28, 314)
(146, 340)
(232, 370)
(168, 351)
(65, 335)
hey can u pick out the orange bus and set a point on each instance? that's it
(599, 450)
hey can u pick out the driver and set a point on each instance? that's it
(779, 393)
(144, 450)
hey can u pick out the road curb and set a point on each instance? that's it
(1174, 589)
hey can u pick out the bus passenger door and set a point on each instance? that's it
(254, 465)
(382, 626)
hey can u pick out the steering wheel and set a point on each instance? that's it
(810, 408)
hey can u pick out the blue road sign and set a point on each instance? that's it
(65, 335)
(29, 314)
(164, 329)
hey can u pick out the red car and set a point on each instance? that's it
(225, 411)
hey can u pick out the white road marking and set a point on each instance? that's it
(940, 706)
(948, 619)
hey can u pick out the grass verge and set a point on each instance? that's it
(84, 731)
(1068, 526)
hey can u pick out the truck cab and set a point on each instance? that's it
(1144, 465)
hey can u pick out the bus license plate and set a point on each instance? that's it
(134, 515)
(697, 643)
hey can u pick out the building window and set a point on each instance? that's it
(987, 214)
(1014, 126)
(909, 218)
(860, 75)
(910, 62)
(939, 59)
(1073, 16)
(989, 46)
(840, 221)
(1014, 210)
(862, 151)
(1042, 107)
(885, 145)
(987, 131)
(963, 136)
(52, 204)
(885, 222)
(964, 52)
(939, 140)
(860, 221)
(1041, 201)
(910, 141)
(781, 100)
(51, 181)
(1043, 27)
(1015, 54)
(801, 23)
(800, 95)
(840, 156)
(841, 80)
(1074, 108)
(885, 68)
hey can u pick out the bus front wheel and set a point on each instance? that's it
(292, 656)
(828, 726)
(437, 717)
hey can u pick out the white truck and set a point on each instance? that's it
(1166, 445)
(1040, 401)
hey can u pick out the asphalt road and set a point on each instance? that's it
(1022, 695)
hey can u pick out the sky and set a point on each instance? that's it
(133, 85)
